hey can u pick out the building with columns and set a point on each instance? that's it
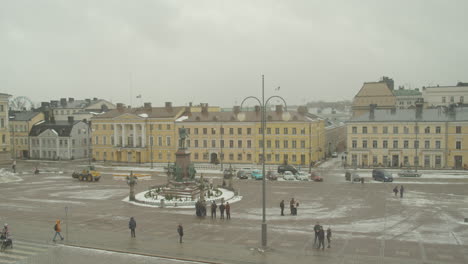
(136, 135)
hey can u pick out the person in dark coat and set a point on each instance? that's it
(291, 205)
(329, 235)
(321, 237)
(282, 207)
(221, 210)
(180, 230)
(401, 191)
(228, 210)
(132, 226)
(295, 208)
(213, 209)
(395, 190)
(316, 232)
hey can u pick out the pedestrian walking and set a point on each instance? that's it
(221, 210)
(228, 210)
(180, 230)
(57, 229)
(321, 237)
(282, 207)
(401, 191)
(295, 208)
(395, 190)
(329, 235)
(291, 206)
(213, 209)
(132, 226)
(13, 166)
(316, 231)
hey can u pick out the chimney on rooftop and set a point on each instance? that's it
(372, 108)
(168, 106)
(63, 102)
(279, 109)
(147, 105)
(204, 108)
(419, 110)
(71, 99)
(120, 107)
(257, 108)
(95, 99)
(302, 110)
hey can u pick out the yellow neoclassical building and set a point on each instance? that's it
(427, 138)
(136, 134)
(20, 125)
(5, 154)
(150, 134)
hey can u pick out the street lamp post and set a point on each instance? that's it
(263, 105)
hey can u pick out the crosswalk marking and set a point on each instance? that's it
(21, 250)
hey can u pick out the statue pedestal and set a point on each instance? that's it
(183, 161)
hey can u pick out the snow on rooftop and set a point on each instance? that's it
(53, 131)
(144, 115)
(182, 118)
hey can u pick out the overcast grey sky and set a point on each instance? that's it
(216, 51)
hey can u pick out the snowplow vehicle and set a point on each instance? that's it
(87, 174)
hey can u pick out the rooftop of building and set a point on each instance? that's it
(407, 92)
(61, 128)
(143, 112)
(409, 115)
(22, 116)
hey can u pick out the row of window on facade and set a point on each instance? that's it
(104, 126)
(19, 141)
(452, 99)
(240, 131)
(51, 154)
(406, 130)
(68, 112)
(427, 144)
(231, 156)
(19, 128)
(44, 142)
(387, 161)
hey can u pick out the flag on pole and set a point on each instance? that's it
(138, 96)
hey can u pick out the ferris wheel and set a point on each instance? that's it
(20, 103)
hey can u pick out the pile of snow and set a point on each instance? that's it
(8, 176)
(228, 196)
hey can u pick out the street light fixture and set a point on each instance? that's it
(241, 116)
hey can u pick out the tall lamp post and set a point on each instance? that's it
(263, 105)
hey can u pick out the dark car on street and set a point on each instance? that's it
(382, 175)
(283, 168)
(242, 174)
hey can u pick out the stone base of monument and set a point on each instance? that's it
(181, 189)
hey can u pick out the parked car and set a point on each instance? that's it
(289, 176)
(382, 175)
(334, 155)
(352, 176)
(272, 175)
(302, 176)
(285, 168)
(227, 173)
(409, 173)
(242, 174)
(257, 175)
(317, 178)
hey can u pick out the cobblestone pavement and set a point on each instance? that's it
(369, 224)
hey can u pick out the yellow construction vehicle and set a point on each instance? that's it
(87, 174)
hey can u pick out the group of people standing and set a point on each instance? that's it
(293, 205)
(402, 190)
(320, 236)
(200, 209)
